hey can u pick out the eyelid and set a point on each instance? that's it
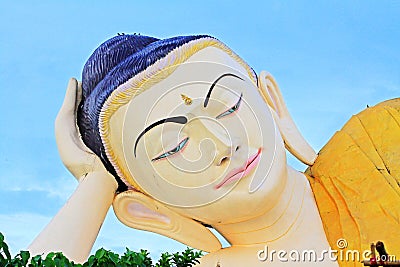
(232, 109)
(173, 151)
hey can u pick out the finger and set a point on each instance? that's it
(66, 121)
(69, 105)
(78, 96)
(72, 150)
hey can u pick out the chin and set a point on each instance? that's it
(246, 205)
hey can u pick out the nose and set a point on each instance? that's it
(225, 144)
(224, 157)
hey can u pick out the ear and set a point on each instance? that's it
(294, 141)
(139, 211)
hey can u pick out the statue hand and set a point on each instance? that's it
(90, 202)
(75, 155)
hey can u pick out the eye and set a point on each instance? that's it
(178, 148)
(232, 109)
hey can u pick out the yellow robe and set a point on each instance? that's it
(356, 179)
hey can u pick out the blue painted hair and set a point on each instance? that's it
(113, 63)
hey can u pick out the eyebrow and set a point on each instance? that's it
(215, 83)
(178, 119)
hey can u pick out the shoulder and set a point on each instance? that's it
(370, 139)
(356, 176)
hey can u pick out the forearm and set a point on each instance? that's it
(75, 227)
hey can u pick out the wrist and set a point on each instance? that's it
(75, 227)
(100, 177)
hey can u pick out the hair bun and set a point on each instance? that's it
(108, 55)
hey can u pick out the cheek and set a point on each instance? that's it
(245, 124)
(171, 171)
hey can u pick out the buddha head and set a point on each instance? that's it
(191, 133)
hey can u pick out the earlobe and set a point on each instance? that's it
(294, 141)
(141, 212)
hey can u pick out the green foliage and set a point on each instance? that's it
(102, 258)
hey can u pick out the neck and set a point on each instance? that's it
(292, 221)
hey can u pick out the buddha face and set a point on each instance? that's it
(203, 142)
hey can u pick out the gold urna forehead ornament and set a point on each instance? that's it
(188, 100)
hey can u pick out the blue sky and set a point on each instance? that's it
(330, 59)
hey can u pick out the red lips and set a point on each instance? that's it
(238, 173)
